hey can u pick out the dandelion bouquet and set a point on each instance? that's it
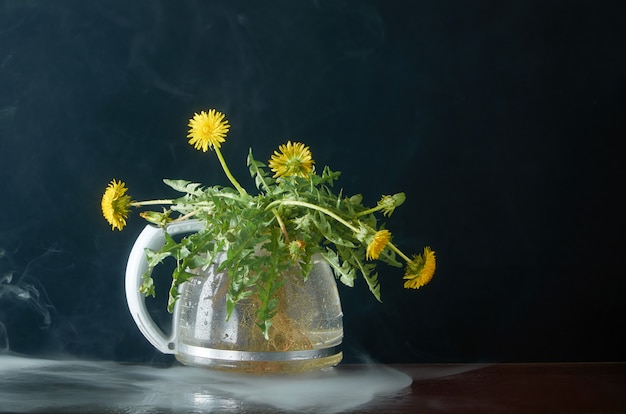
(295, 214)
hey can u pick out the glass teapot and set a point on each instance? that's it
(305, 334)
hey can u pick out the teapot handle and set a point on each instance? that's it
(153, 238)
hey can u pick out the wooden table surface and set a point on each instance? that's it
(509, 388)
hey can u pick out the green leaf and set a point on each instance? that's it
(329, 176)
(366, 271)
(330, 233)
(154, 258)
(258, 173)
(147, 285)
(343, 271)
(389, 256)
(371, 279)
(179, 276)
(184, 186)
(269, 282)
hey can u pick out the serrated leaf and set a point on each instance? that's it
(154, 258)
(372, 282)
(184, 186)
(389, 256)
(257, 172)
(147, 285)
(324, 227)
(343, 271)
(366, 272)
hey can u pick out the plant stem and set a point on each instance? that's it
(185, 217)
(395, 249)
(150, 202)
(283, 229)
(369, 210)
(227, 171)
(314, 207)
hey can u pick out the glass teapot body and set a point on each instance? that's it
(305, 334)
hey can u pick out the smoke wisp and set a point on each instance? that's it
(19, 288)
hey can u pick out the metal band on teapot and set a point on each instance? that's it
(229, 355)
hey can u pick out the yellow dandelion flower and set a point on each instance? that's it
(207, 130)
(294, 159)
(420, 270)
(377, 244)
(116, 204)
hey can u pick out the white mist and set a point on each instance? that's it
(28, 384)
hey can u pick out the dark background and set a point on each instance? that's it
(502, 121)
